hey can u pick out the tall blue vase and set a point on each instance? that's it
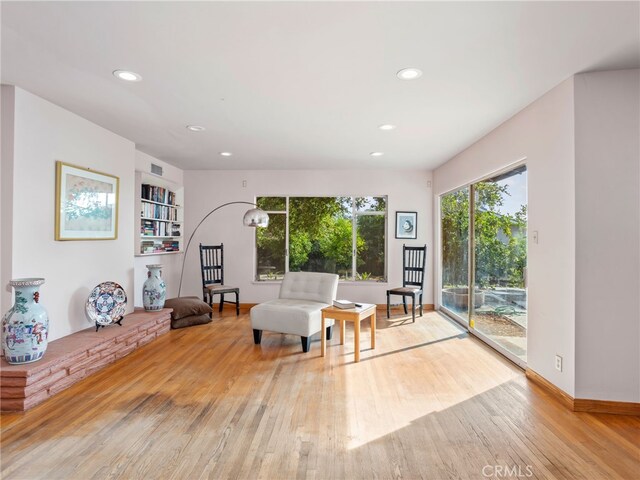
(25, 327)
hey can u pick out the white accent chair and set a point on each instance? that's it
(297, 310)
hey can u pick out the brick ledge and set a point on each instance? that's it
(74, 357)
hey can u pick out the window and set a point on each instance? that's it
(342, 235)
(271, 241)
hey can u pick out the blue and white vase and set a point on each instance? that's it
(154, 291)
(25, 327)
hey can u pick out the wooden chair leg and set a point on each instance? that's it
(388, 302)
(208, 299)
(237, 303)
(404, 304)
(221, 302)
(413, 307)
(421, 304)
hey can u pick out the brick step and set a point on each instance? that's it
(74, 357)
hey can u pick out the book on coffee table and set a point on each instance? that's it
(345, 304)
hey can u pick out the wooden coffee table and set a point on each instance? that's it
(355, 315)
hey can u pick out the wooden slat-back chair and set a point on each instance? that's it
(413, 263)
(212, 268)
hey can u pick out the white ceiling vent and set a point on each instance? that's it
(156, 169)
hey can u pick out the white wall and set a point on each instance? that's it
(204, 190)
(6, 193)
(44, 133)
(607, 170)
(171, 264)
(542, 133)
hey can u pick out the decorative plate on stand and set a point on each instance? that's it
(106, 304)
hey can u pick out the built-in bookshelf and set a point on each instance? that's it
(159, 216)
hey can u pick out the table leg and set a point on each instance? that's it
(356, 325)
(323, 345)
(342, 332)
(373, 330)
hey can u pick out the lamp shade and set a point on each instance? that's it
(255, 218)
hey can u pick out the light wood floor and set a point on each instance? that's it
(204, 402)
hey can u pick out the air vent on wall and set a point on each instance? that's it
(156, 169)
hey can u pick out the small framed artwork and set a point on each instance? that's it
(86, 204)
(406, 225)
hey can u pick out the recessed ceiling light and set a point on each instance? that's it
(376, 154)
(226, 154)
(387, 126)
(127, 76)
(195, 128)
(409, 73)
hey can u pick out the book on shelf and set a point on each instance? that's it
(160, 212)
(157, 194)
(154, 228)
(344, 304)
(159, 246)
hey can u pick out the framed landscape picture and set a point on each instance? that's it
(406, 225)
(86, 204)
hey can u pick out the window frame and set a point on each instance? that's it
(354, 235)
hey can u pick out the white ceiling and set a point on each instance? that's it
(305, 85)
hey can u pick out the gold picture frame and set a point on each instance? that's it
(86, 204)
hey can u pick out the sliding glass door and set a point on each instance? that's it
(484, 260)
(500, 260)
(454, 208)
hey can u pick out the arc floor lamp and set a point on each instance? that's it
(254, 217)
